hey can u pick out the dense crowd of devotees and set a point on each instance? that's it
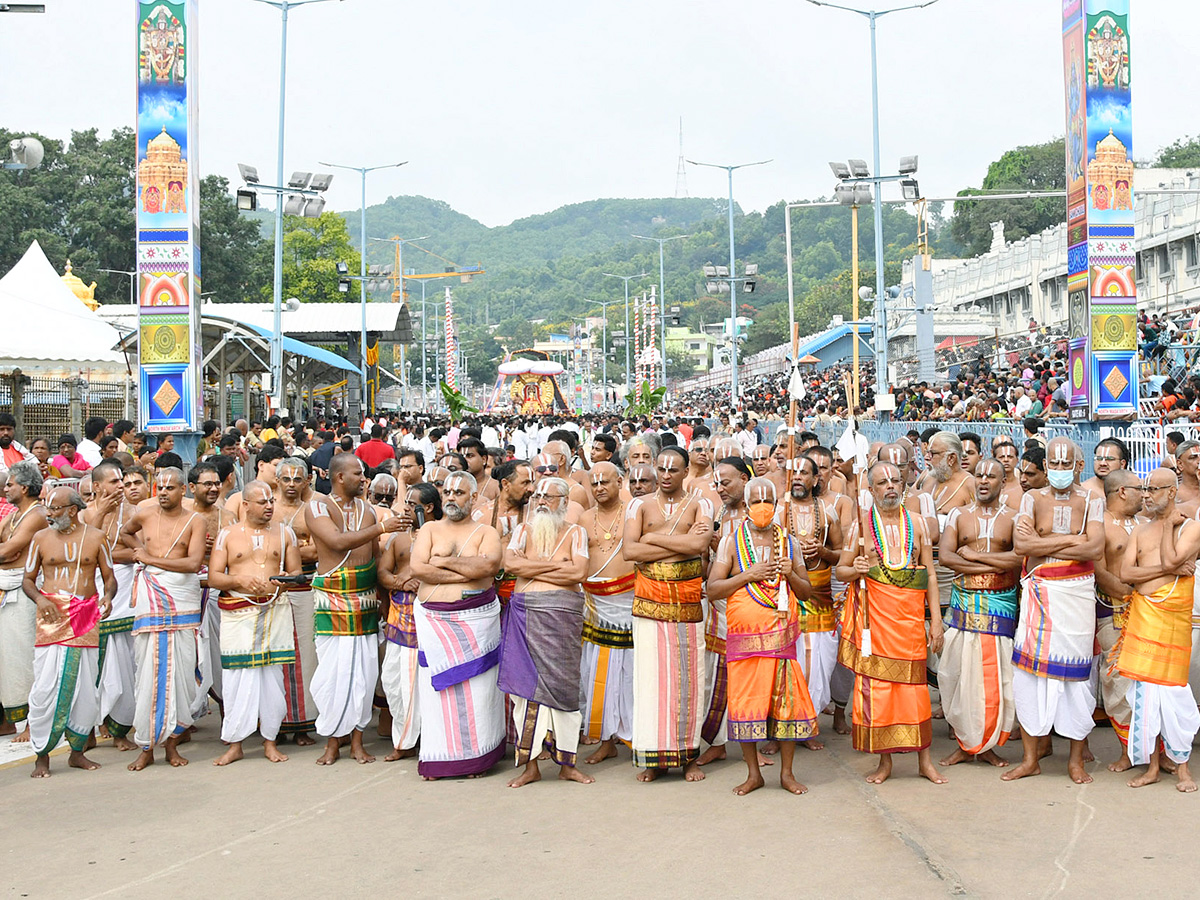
(666, 591)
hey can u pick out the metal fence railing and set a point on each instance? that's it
(47, 406)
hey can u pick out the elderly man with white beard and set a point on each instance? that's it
(542, 632)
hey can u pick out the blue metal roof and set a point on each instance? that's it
(299, 348)
(825, 338)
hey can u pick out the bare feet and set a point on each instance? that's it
(172, 749)
(788, 782)
(542, 757)
(528, 776)
(233, 754)
(304, 739)
(693, 772)
(91, 742)
(1079, 755)
(607, 750)
(1166, 765)
(840, 726)
(102, 732)
(331, 754)
(992, 758)
(648, 775)
(880, 775)
(123, 743)
(272, 753)
(927, 769)
(1121, 765)
(397, 753)
(186, 737)
(1078, 773)
(769, 748)
(1150, 776)
(41, 767)
(23, 737)
(587, 740)
(712, 754)
(1087, 752)
(570, 773)
(765, 760)
(384, 728)
(937, 712)
(958, 756)
(1185, 784)
(77, 760)
(1022, 769)
(1045, 747)
(752, 783)
(357, 750)
(145, 758)
(812, 744)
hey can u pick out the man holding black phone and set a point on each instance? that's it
(251, 563)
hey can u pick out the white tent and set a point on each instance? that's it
(44, 325)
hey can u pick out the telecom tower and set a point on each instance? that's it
(681, 170)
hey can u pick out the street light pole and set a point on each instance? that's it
(626, 278)
(662, 293)
(277, 332)
(132, 283)
(362, 272)
(881, 338)
(400, 242)
(733, 323)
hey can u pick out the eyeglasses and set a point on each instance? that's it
(1147, 489)
(543, 470)
(55, 510)
(385, 498)
(549, 496)
(208, 484)
(1106, 458)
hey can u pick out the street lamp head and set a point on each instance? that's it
(866, 293)
(249, 173)
(710, 271)
(342, 268)
(314, 207)
(294, 205)
(299, 180)
(908, 165)
(320, 182)
(841, 171)
(247, 201)
(910, 190)
(859, 168)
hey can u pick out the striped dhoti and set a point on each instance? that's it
(399, 672)
(166, 616)
(17, 614)
(346, 625)
(117, 676)
(607, 658)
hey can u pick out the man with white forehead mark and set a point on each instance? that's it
(1060, 532)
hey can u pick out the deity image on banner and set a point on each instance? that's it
(1110, 174)
(161, 57)
(1108, 51)
(162, 176)
(1076, 118)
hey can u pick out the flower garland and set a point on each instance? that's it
(747, 558)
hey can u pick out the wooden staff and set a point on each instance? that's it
(859, 486)
(787, 520)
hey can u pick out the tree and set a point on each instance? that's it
(680, 363)
(1183, 154)
(515, 333)
(237, 261)
(312, 248)
(1038, 167)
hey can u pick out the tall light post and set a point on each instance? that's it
(400, 242)
(284, 6)
(871, 16)
(733, 323)
(362, 268)
(604, 305)
(662, 292)
(132, 283)
(626, 278)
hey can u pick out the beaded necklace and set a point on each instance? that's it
(880, 539)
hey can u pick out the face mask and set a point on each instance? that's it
(762, 513)
(1060, 479)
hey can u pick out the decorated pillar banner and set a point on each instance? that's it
(451, 345)
(1102, 293)
(170, 395)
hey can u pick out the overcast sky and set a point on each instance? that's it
(507, 109)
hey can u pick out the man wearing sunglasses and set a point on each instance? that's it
(545, 465)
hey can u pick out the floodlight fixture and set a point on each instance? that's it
(712, 287)
(249, 173)
(859, 168)
(748, 287)
(294, 205)
(910, 190)
(908, 165)
(710, 271)
(299, 180)
(841, 171)
(342, 268)
(314, 207)
(22, 8)
(751, 269)
(722, 271)
(344, 285)
(320, 182)
(844, 194)
(247, 201)
(865, 292)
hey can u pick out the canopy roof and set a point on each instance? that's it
(46, 325)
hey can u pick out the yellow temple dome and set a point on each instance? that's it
(84, 292)
(163, 145)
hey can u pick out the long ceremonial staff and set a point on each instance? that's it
(859, 477)
(791, 450)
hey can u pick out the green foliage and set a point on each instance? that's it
(456, 404)
(312, 248)
(1039, 167)
(1183, 154)
(680, 362)
(646, 402)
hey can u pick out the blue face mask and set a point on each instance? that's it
(1060, 479)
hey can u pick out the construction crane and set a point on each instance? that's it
(453, 270)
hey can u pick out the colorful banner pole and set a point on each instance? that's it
(170, 367)
(1101, 286)
(651, 335)
(451, 345)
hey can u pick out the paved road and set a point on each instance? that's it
(256, 829)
